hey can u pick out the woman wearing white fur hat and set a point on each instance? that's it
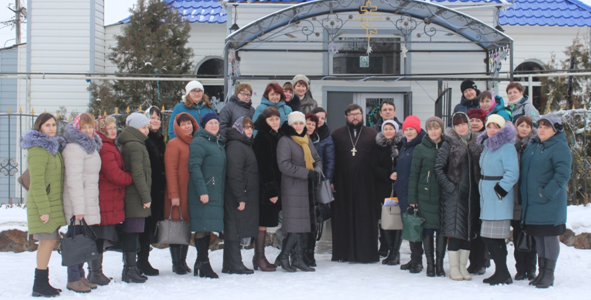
(301, 87)
(195, 102)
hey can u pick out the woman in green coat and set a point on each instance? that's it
(45, 212)
(207, 168)
(424, 192)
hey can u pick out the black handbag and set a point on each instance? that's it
(524, 241)
(78, 248)
(173, 232)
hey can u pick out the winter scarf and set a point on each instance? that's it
(511, 103)
(507, 134)
(36, 138)
(493, 104)
(382, 141)
(89, 144)
(239, 126)
(302, 140)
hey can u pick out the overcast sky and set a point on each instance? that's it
(115, 10)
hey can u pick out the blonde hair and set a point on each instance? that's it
(432, 124)
(189, 103)
(103, 122)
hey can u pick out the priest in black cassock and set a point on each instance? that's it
(355, 211)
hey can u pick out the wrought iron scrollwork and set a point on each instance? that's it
(9, 167)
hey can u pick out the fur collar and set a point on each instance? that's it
(505, 135)
(323, 131)
(290, 131)
(521, 143)
(458, 152)
(75, 136)
(262, 127)
(394, 142)
(35, 138)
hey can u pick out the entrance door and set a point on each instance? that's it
(372, 102)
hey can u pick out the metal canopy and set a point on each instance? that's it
(418, 13)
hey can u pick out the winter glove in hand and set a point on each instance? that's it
(501, 193)
(313, 175)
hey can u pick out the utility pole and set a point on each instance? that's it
(18, 21)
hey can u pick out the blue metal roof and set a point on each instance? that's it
(200, 11)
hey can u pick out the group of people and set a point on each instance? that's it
(236, 172)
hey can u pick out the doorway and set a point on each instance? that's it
(370, 102)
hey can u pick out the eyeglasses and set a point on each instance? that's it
(246, 95)
(248, 127)
(197, 91)
(357, 115)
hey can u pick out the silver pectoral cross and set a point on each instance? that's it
(353, 151)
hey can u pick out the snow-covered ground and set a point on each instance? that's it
(331, 280)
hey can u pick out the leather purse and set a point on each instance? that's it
(25, 179)
(323, 190)
(391, 218)
(173, 232)
(78, 248)
(524, 241)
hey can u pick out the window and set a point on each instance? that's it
(214, 66)
(353, 59)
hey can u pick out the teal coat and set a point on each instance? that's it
(545, 171)
(501, 110)
(196, 112)
(207, 168)
(281, 106)
(423, 188)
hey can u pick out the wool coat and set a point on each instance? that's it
(265, 150)
(197, 111)
(82, 163)
(456, 170)
(207, 169)
(524, 108)
(242, 185)
(232, 111)
(423, 188)
(46, 170)
(281, 106)
(112, 182)
(520, 145)
(403, 169)
(156, 148)
(137, 161)
(176, 161)
(297, 201)
(545, 171)
(387, 155)
(325, 148)
(498, 158)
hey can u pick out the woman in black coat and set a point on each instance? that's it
(155, 146)
(241, 198)
(265, 150)
(457, 171)
(389, 141)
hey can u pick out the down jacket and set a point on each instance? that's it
(498, 158)
(176, 161)
(232, 111)
(520, 145)
(46, 169)
(456, 169)
(81, 178)
(207, 166)
(524, 108)
(281, 106)
(242, 185)
(403, 169)
(297, 204)
(137, 161)
(112, 182)
(423, 188)
(325, 147)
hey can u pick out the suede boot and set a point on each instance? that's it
(95, 272)
(78, 287)
(259, 261)
(454, 265)
(41, 287)
(143, 264)
(547, 279)
(429, 254)
(441, 243)
(498, 250)
(289, 243)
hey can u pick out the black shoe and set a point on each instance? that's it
(233, 259)
(503, 278)
(406, 266)
(202, 267)
(184, 251)
(204, 270)
(547, 279)
(130, 272)
(41, 287)
(175, 254)
(521, 276)
(289, 243)
(146, 268)
(531, 275)
(490, 279)
(477, 270)
(393, 257)
(416, 268)
(541, 270)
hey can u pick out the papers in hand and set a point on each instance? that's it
(392, 201)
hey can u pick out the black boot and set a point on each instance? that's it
(441, 243)
(384, 243)
(498, 250)
(202, 266)
(530, 264)
(310, 249)
(41, 287)
(541, 270)
(289, 243)
(520, 264)
(175, 254)
(131, 274)
(143, 264)
(232, 253)
(429, 254)
(478, 257)
(416, 257)
(298, 261)
(184, 251)
(407, 265)
(95, 272)
(547, 279)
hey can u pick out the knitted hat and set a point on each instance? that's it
(555, 120)
(208, 117)
(319, 110)
(137, 120)
(468, 84)
(436, 119)
(496, 119)
(391, 122)
(300, 77)
(477, 113)
(191, 86)
(413, 122)
(296, 116)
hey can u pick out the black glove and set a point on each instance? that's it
(501, 193)
(313, 175)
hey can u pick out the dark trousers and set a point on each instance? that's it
(455, 244)
(524, 261)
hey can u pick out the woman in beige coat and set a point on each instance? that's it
(83, 164)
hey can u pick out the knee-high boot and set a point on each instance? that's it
(429, 247)
(143, 264)
(175, 254)
(289, 243)
(441, 243)
(202, 266)
(259, 261)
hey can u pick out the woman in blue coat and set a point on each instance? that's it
(195, 103)
(273, 97)
(499, 173)
(545, 171)
(414, 135)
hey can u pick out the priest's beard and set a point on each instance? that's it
(353, 126)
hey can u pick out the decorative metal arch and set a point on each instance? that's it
(413, 15)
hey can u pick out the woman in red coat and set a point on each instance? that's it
(112, 182)
(176, 162)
